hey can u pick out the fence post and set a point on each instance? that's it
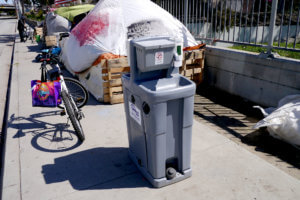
(186, 5)
(272, 27)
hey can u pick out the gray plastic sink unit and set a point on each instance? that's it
(154, 54)
(164, 89)
(159, 116)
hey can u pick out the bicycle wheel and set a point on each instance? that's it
(25, 34)
(73, 115)
(77, 91)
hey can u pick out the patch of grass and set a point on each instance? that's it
(285, 53)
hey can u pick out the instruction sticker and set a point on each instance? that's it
(135, 113)
(159, 58)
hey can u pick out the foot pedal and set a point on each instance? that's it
(63, 113)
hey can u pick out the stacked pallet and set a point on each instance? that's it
(51, 41)
(39, 31)
(104, 82)
(112, 70)
(193, 65)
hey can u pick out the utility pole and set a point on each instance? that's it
(23, 10)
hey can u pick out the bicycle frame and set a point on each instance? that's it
(69, 105)
(64, 86)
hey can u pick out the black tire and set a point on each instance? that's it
(43, 73)
(70, 108)
(77, 91)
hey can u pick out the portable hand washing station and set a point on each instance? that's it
(159, 110)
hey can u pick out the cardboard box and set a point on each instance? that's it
(51, 41)
(39, 31)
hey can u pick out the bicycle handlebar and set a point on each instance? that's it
(62, 35)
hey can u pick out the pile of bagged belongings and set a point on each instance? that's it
(74, 13)
(108, 27)
(283, 122)
(63, 19)
(56, 24)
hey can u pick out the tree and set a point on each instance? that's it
(39, 2)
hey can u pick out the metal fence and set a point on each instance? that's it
(266, 23)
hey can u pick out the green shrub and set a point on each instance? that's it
(37, 16)
(285, 53)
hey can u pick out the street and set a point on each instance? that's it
(45, 160)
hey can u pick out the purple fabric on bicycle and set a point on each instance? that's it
(45, 94)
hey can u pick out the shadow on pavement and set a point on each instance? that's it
(263, 142)
(234, 115)
(34, 48)
(97, 168)
(6, 38)
(47, 137)
(6, 18)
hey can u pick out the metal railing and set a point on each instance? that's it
(265, 23)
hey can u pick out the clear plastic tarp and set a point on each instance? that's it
(110, 25)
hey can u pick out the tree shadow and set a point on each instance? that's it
(47, 137)
(35, 47)
(6, 18)
(7, 38)
(93, 169)
(241, 127)
(224, 122)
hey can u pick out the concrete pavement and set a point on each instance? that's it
(44, 159)
(7, 36)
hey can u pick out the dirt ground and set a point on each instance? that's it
(234, 118)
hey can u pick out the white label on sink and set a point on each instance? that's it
(135, 113)
(159, 58)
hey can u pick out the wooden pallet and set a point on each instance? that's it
(39, 31)
(192, 65)
(51, 41)
(112, 70)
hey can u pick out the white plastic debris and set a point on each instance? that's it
(56, 24)
(283, 122)
(110, 25)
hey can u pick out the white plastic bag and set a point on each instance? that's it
(284, 121)
(56, 24)
(92, 81)
(110, 24)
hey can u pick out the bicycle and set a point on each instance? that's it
(69, 102)
(28, 34)
(78, 92)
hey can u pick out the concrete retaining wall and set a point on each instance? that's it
(261, 80)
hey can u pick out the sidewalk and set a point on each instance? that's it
(38, 166)
(7, 35)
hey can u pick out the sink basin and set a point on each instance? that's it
(166, 84)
